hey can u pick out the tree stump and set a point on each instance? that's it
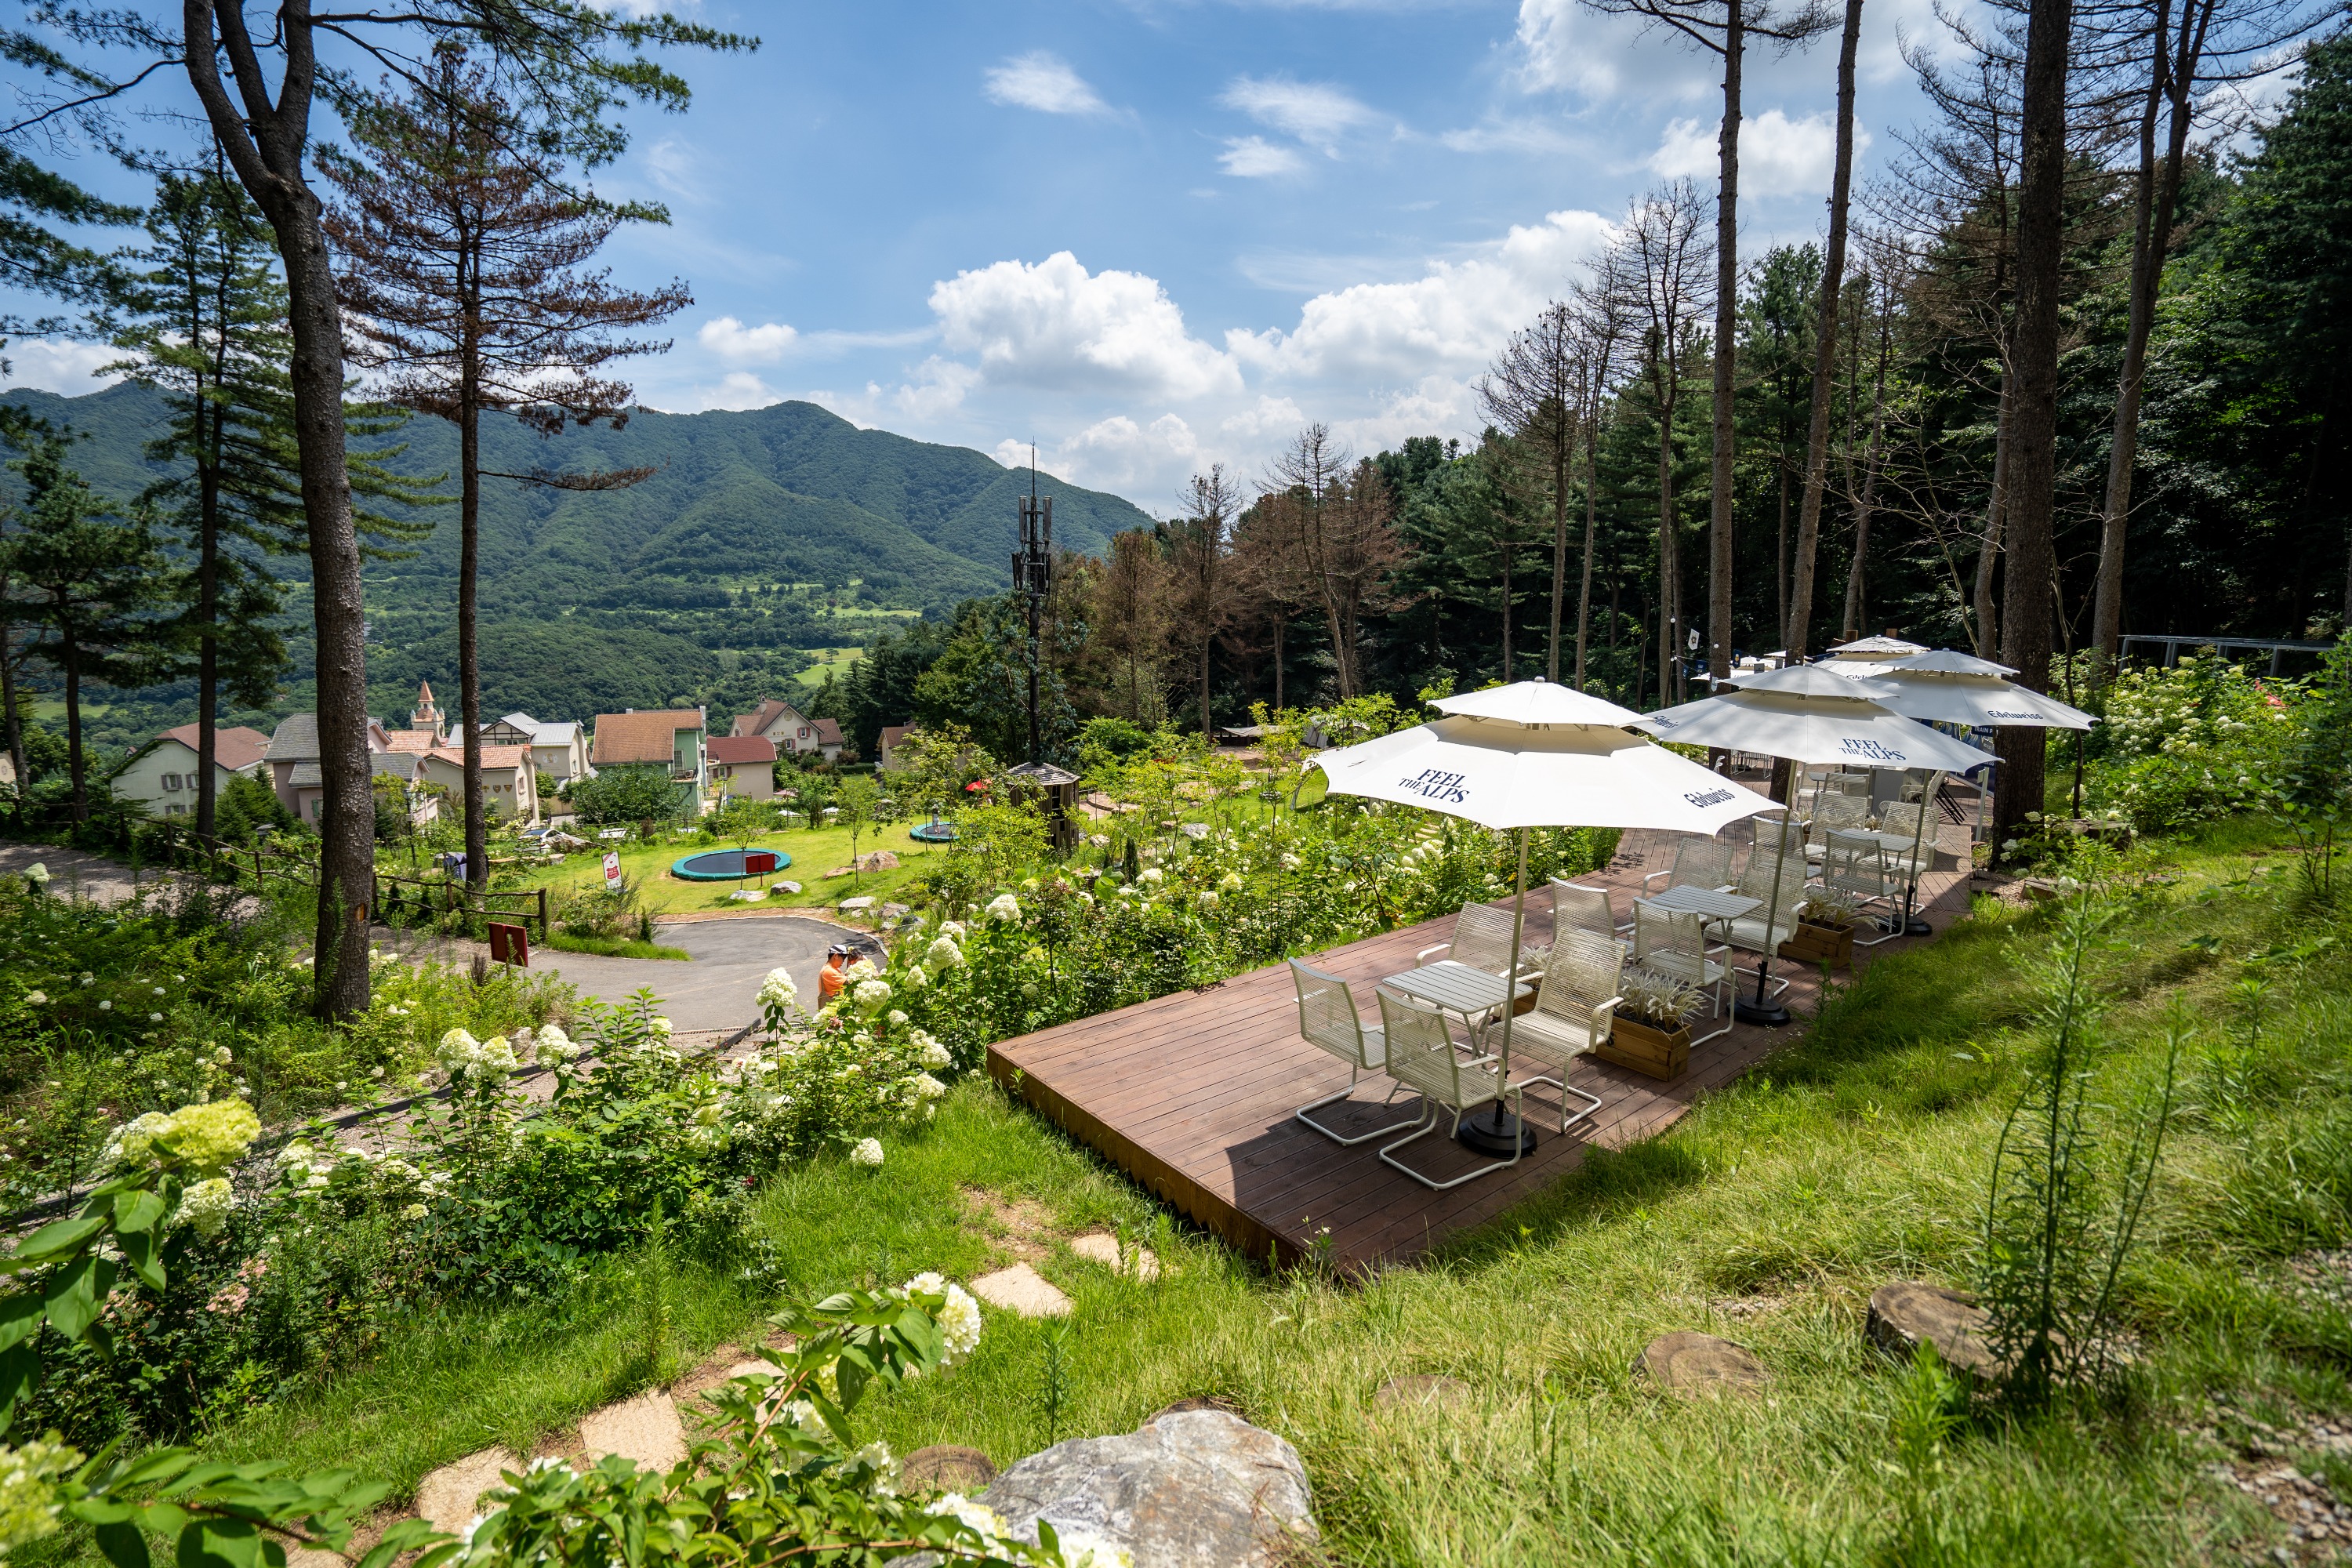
(1690, 1363)
(945, 1467)
(1906, 1312)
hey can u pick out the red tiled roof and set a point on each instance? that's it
(740, 748)
(235, 747)
(492, 756)
(892, 735)
(759, 718)
(413, 740)
(828, 732)
(647, 737)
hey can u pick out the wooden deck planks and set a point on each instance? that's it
(1192, 1095)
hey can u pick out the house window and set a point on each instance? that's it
(175, 809)
(170, 780)
(804, 732)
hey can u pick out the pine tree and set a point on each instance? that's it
(464, 280)
(95, 583)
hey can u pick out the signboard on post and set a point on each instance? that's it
(510, 944)
(760, 863)
(612, 870)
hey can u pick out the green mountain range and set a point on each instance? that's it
(759, 533)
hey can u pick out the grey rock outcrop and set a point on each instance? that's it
(1199, 1487)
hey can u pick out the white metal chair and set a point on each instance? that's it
(1749, 932)
(1327, 1018)
(1698, 863)
(1674, 942)
(1834, 811)
(1575, 907)
(1482, 939)
(1421, 1056)
(1854, 864)
(1574, 1009)
(1786, 837)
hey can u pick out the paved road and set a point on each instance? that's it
(716, 990)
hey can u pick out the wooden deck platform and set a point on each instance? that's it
(1191, 1094)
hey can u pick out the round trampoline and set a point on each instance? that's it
(933, 832)
(724, 865)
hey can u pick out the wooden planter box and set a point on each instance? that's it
(1811, 943)
(1646, 1048)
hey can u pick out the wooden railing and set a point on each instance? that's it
(392, 894)
(395, 895)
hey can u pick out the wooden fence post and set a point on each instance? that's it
(542, 915)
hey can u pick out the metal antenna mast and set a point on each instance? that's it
(1033, 578)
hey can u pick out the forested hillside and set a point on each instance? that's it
(759, 533)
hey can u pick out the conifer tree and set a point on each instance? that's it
(465, 281)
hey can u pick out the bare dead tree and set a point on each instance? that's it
(1270, 576)
(1603, 322)
(1661, 260)
(1345, 530)
(1200, 548)
(465, 283)
(1129, 613)
(1535, 391)
(1883, 287)
(1722, 27)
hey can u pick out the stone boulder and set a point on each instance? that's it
(1196, 1488)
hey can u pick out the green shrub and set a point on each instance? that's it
(2199, 740)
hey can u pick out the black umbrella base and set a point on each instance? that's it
(1495, 1132)
(1910, 926)
(1769, 1014)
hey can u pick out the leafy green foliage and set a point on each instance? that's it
(2181, 745)
(628, 795)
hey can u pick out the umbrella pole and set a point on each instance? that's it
(1911, 924)
(1496, 1131)
(1771, 1015)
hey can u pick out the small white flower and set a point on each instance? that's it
(1004, 907)
(154, 1017)
(936, 1054)
(206, 1205)
(35, 998)
(868, 1152)
(106, 1006)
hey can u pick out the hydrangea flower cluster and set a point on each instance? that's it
(462, 1056)
(203, 1140)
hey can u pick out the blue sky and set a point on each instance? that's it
(1151, 236)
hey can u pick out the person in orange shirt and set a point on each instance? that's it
(829, 979)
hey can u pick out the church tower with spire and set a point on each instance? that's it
(426, 715)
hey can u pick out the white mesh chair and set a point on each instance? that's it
(1834, 811)
(1421, 1056)
(1574, 1008)
(1749, 932)
(1327, 1018)
(1575, 907)
(1698, 863)
(1482, 939)
(1787, 838)
(1854, 864)
(1674, 942)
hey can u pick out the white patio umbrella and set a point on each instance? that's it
(1809, 715)
(1961, 689)
(1535, 754)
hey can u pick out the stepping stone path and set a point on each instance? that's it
(646, 1428)
(1422, 1388)
(1100, 1246)
(1906, 1312)
(446, 1499)
(945, 1467)
(1022, 1289)
(1688, 1363)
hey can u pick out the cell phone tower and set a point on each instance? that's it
(1033, 578)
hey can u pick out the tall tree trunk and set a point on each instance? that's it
(1727, 327)
(1781, 562)
(265, 144)
(1591, 526)
(1817, 430)
(1507, 614)
(1866, 500)
(1280, 624)
(1665, 549)
(1560, 460)
(2033, 418)
(469, 664)
(2159, 195)
(75, 770)
(207, 613)
(1996, 520)
(10, 721)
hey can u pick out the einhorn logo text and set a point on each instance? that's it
(1709, 797)
(1435, 783)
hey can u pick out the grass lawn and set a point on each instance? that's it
(836, 661)
(814, 852)
(1856, 1156)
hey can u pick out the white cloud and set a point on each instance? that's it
(731, 340)
(1119, 453)
(1522, 135)
(1565, 45)
(736, 389)
(1054, 325)
(677, 167)
(1778, 156)
(59, 364)
(1043, 82)
(1318, 113)
(1449, 321)
(939, 388)
(1256, 158)
(1269, 416)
